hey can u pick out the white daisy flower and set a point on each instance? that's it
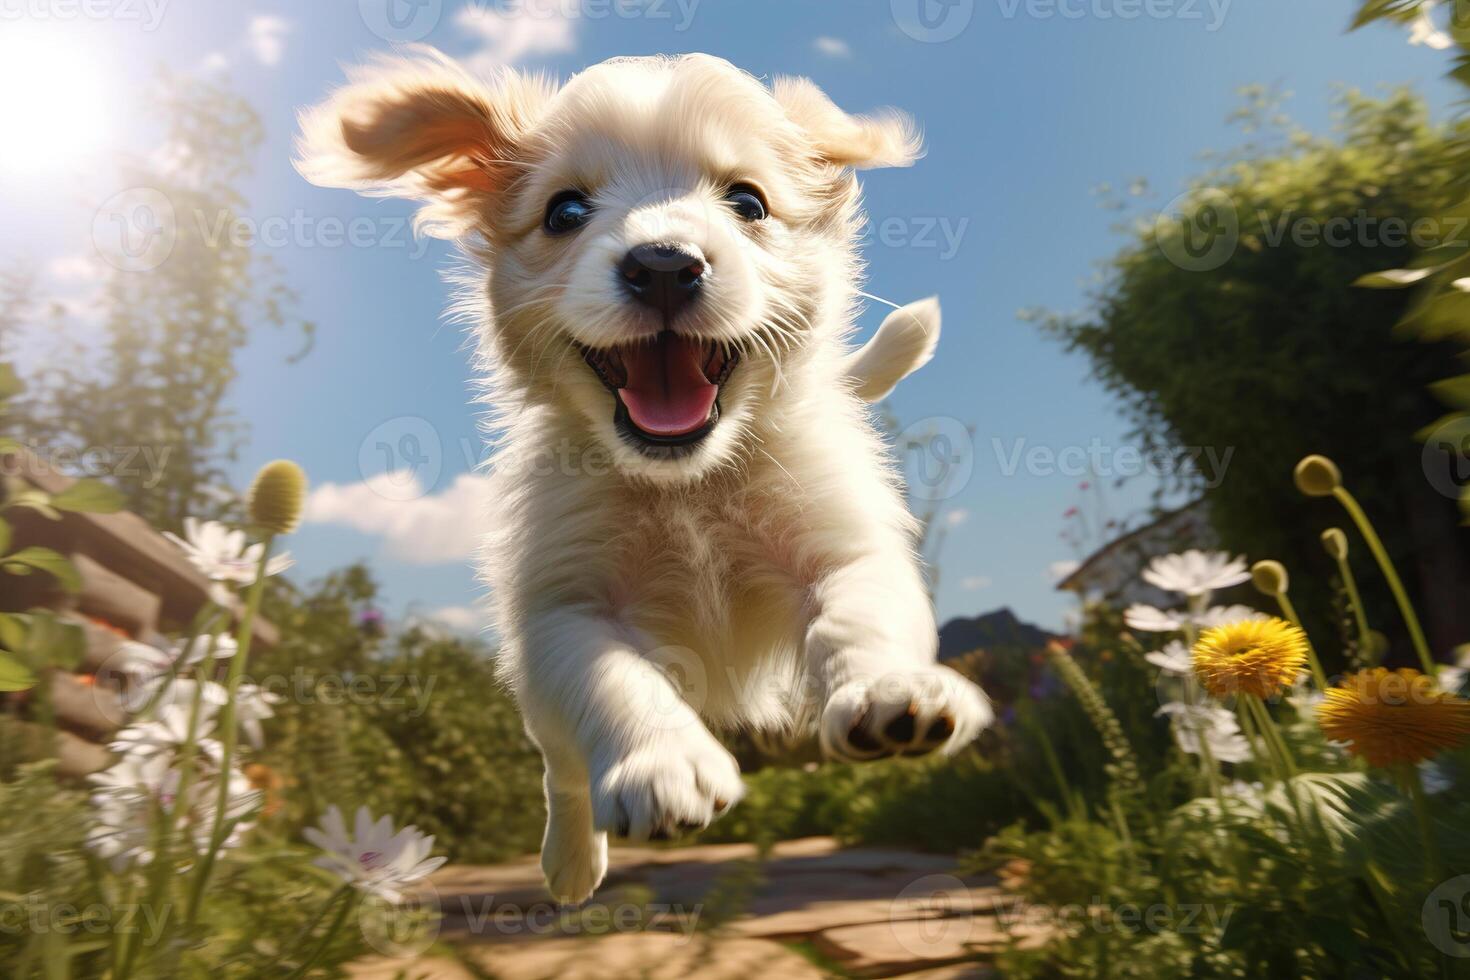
(130, 779)
(252, 706)
(223, 555)
(220, 647)
(126, 797)
(139, 662)
(1175, 658)
(168, 732)
(1152, 620)
(1453, 679)
(1436, 776)
(374, 859)
(1304, 698)
(1196, 572)
(1224, 615)
(1198, 725)
(176, 691)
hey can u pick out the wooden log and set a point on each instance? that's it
(122, 542)
(109, 596)
(76, 757)
(102, 643)
(84, 707)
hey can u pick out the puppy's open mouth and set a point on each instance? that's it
(667, 388)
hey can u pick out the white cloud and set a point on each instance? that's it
(415, 527)
(956, 517)
(974, 583)
(266, 38)
(832, 47)
(214, 62)
(536, 27)
(463, 619)
(1059, 570)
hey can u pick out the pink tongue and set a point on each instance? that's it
(667, 393)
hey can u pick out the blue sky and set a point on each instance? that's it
(1027, 106)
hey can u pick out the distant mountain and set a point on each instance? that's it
(991, 630)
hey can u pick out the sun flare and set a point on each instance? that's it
(53, 113)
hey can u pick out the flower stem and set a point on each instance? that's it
(1276, 745)
(1355, 600)
(1414, 787)
(203, 623)
(1289, 611)
(1390, 575)
(229, 731)
(168, 815)
(121, 939)
(305, 932)
(1262, 753)
(328, 936)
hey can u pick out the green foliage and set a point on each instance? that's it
(963, 799)
(416, 726)
(1273, 354)
(63, 913)
(161, 381)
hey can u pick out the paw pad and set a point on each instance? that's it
(900, 736)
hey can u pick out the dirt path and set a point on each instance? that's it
(808, 910)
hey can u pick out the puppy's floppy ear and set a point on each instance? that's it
(887, 138)
(422, 127)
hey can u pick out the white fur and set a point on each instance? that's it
(766, 580)
(905, 342)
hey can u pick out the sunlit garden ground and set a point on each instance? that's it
(1249, 755)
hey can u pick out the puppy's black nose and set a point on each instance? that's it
(663, 276)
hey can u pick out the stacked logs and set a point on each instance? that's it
(136, 586)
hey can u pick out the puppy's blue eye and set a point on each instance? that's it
(566, 212)
(747, 202)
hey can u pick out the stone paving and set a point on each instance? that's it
(808, 910)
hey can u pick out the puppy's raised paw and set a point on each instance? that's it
(911, 711)
(678, 782)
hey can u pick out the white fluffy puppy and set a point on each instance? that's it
(696, 520)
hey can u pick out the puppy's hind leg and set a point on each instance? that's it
(573, 854)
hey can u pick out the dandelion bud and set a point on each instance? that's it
(277, 496)
(1335, 543)
(1317, 476)
(1269, 577)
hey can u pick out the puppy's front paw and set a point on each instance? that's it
(678, 781)
(909, 711)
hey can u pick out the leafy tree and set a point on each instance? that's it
(1238, 327)
(172, 324)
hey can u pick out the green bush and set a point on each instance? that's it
(415, 725)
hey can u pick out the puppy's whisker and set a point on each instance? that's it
(878, 299)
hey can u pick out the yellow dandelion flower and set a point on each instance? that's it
(1249, 656)
(1394, 716)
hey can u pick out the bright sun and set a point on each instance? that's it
(52, 113)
